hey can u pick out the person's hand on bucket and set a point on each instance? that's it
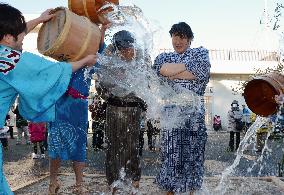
(46, 15)
(279, 98)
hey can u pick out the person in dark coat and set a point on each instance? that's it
(22, 127)
(235, 125)
(98, 110)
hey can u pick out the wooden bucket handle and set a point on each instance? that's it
(56, 9)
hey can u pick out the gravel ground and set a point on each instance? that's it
(20, 169)
(96, 184)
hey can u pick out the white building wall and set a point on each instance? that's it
(221, 86)
(222, 98)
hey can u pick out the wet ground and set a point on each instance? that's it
(96, 184)
(27, 176)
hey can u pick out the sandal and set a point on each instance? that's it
(53, 188)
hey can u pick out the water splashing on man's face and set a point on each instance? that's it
(127, 54)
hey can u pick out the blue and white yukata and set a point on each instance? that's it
(38, 82)
(67, 134)
(182, 147)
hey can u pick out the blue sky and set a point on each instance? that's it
(215, 23)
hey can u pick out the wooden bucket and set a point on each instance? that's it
(260, 93)
(68, 37)
(90, 9)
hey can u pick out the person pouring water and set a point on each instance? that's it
(37, 81)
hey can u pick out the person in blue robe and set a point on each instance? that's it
(183, 145)
(67, 138)
(37, 82)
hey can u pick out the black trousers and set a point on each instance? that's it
(141, 141)
(232, 143)
(11, 132)
(150, 138)
(216, 127)
(45, 144)
(4, 142)
(260, 141)
(41, 147)
(122, 138)
(98, 135)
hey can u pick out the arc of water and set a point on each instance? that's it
(221, 188)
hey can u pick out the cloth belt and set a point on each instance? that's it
(75, 94)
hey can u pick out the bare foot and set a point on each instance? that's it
(135, 184)
(53, 188)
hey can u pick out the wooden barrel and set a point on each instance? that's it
(90, 9)
(68, 37)
(260, 93)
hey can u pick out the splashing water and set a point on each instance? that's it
(131, 18)
(221, 188)
(249, 139)
(124, 185)
(137, 76)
